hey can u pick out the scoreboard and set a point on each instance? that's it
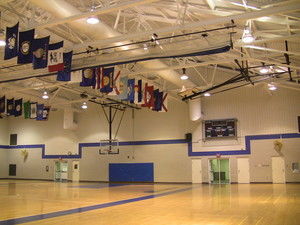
(219, 128)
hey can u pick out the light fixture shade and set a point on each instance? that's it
(92, 20)
(84, 106)
(264, 70)
(207, 94)
(248, 38)
(272, 87)
(45, 95)
(184, 77)
(2, 43)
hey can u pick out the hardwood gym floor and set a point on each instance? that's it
(39, 202)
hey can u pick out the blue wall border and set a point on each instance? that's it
(191, 153)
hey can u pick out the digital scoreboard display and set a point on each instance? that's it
(219, 128)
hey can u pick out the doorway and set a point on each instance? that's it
(196, 171)
(219, 171)
(75, 171)
(61, 171)
(243, 170)
(278, 170)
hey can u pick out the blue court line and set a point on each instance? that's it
(247, 150)
(85, 209)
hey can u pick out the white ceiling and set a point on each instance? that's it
(272, 22)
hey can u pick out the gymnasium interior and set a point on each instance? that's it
(143, 112)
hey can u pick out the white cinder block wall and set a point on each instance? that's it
(257, 111)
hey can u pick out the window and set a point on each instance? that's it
(13, 139)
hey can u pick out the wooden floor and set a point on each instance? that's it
(38, 202)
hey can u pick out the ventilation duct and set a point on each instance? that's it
(195, 109)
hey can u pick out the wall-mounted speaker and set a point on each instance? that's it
(188, 137)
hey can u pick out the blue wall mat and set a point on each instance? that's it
(131, 172)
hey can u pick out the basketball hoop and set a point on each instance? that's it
(108, 147)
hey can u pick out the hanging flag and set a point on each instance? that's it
(11, 39)
(88, 77)
(98, 72)
(65, 74)
(10, 107)
(158, 98)
(116, 83)
(130, 92)
(32, 110)
(55, 57)
(2, 104)
(148, 96)
(138, 93)
(18, 107)
(46, 112)
(40, 52)
(107, 80)
(123, 88)
(39, 111)
(25, 46)
(164, 103)
(27, 110)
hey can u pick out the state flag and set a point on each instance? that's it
(88, 77)
(11, 39)
(25, 46)
(148, 96)
(138, 93)
(55, 57)
(98, 72)
(130, 92)
(123, 88)
(40, 52)
(27, 110)
(2, 104)
(18, 107)
(39, 111)
(65, 74)
(107, 79)
(116, 83)
(164, 104)
(32, 110)
(10, 107)
(46, 112)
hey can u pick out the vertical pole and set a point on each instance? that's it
(110, 127)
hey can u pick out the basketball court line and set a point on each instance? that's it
(27, 219)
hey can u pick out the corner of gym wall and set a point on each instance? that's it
(3, 152)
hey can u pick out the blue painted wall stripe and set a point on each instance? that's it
(247, 150)
(85, 209)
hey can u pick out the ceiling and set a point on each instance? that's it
(183, 25)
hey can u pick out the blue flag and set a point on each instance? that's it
(158, 100)
(2, 104)
(88, 77)
(11, 39)
(18, 107)
(40, 52)
(25, 46)
(39, 111)
(130, 93)
(107, 80)
(123, 88)
(65, 75)
(10, 107)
